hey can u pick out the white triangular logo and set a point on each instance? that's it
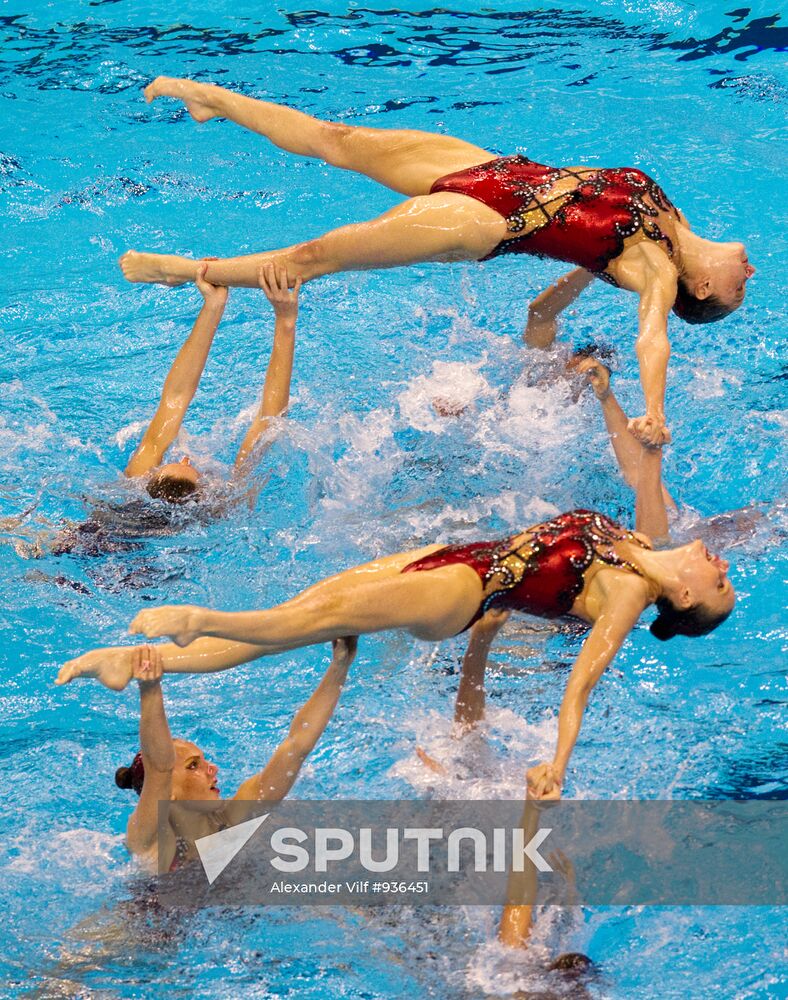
(217, 850)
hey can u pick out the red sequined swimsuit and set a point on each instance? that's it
(586, 225)
(545, 573)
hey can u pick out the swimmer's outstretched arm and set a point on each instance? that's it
(628, 450)
(182, 381)
(276, 390)
(158, 754)
(645, 270)
(623, 604)
(517, 918)
(543, 312)
(279, 775)
(640, 464)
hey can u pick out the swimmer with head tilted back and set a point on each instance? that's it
(581, 564)
(464, 203)
(177, 483)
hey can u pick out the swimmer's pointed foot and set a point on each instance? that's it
(112, 666)
(180, 622)
(200, 98)
(154, 268)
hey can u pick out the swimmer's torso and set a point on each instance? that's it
(587, 216)
(541, 571)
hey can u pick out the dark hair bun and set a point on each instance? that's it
(692, 621)
(662, 629)
(123, 778)
(131, 777)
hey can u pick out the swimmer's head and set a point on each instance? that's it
(571, 962)
(448, 407)
(175, 482)
(714, 288)
(193, 777)
(698, 598)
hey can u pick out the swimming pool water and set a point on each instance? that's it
(695, 96)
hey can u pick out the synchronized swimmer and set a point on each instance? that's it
(466, 203)
(176, 483)
(581, 564)
(167, 769)
(463, 203)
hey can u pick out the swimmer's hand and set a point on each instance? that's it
(598, 375)
(274, 282)
(147, 666)
(491, 622)
(183, 623)
(650, 430)
(113, 666)
(544, 782)
(215, 296)
(344, 651)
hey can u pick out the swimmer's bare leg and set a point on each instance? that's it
(405, 160)
(434, 227)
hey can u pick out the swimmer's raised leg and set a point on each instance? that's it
(442, 226)
(405, 160)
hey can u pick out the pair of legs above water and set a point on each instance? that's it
(426, 227)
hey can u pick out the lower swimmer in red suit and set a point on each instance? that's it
(580, 564)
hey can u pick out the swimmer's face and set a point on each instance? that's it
(194, 777)
(703, 581)
(728, 277)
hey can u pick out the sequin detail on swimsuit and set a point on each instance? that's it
(585, 224)
(545, 573)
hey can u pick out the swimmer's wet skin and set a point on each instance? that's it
(467, 204)
(614, 576)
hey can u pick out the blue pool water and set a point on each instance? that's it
(695, 96)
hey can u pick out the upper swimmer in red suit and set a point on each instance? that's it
(464, 203)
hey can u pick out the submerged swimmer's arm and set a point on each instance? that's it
(158, 754)
(625, 599)
(651, 512)
(276, 390)
(469, 706)
(546, 307)
(516, 923)
(181, 382)
(645, 270)
(280, 773)
(627, 449)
